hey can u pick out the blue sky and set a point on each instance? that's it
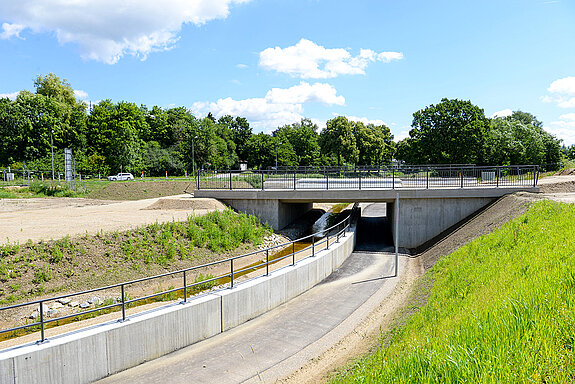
(276, 61)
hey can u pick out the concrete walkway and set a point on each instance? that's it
(280, 341)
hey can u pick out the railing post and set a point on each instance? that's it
(231, 273)
(312, 246)
(293, 252)
(262, 179)
(359, 179)
(497, 171)
(294, 174)
(327, 241)
(230, 179)
(197, 180)
(185, 288)
(534, 179)
(392, 177)
(427, 178)
(267, 261)
(327, 180)
(42, 337)
(123, 304)
(461, 177)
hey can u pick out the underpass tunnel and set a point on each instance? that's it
(374, 227)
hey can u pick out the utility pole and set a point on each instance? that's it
(52, 149)
(396, 232)
(193, 158)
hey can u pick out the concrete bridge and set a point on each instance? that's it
(431, 200)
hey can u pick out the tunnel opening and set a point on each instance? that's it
(374, 228)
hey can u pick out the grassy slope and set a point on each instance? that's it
(501, 310)
(72, 264)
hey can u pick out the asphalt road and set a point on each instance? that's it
(280, 341)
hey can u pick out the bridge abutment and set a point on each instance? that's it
(273, 211)
(421, 219)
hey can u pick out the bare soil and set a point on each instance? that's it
(53, 218)
(138, 190)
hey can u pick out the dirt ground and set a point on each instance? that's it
(138, 190)
(53, 218)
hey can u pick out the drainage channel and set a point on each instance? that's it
(326, 220)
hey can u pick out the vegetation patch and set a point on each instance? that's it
(72, 264)
(501, 309)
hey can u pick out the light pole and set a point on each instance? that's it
(193, 158)
(52, 149)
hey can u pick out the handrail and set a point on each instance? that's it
(124, 300)
(381, 178)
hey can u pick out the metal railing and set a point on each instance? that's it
(317, 242)
(414, 177)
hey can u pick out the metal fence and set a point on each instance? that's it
(239, 267)
(329, 178)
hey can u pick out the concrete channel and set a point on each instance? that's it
(278, 342)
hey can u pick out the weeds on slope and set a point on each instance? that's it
(501, 310)
(89, 261)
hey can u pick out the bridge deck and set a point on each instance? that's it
(356, 195)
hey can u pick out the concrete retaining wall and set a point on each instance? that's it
(275, 212)
(93, 353)
(422, 219)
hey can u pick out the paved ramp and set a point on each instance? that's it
(282, 340)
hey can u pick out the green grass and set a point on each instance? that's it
(501, 310)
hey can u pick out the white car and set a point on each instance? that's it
(121, 176)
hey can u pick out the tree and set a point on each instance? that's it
(115, 132)
(55, 88)
(338, 140)
(510, 141)
(525, 118)
(375, 143)
(261, 151)
(299, 144)
(240, 133)
(452, 131)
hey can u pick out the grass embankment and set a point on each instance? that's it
(69, 264)
(501, 310)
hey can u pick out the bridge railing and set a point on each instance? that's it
(184, 282)
(415, 177)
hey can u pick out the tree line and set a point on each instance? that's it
(108, 136)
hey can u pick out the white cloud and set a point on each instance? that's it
(308, 60)
(11, 96)
(11, 30)
(503, 113)
(366, 121)
(106, 30)
(568, 116)
(564, 86)
(277, 108)
(242, 66)
(561, 90)
(82, 95)
(563, 129)
(403, 134)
